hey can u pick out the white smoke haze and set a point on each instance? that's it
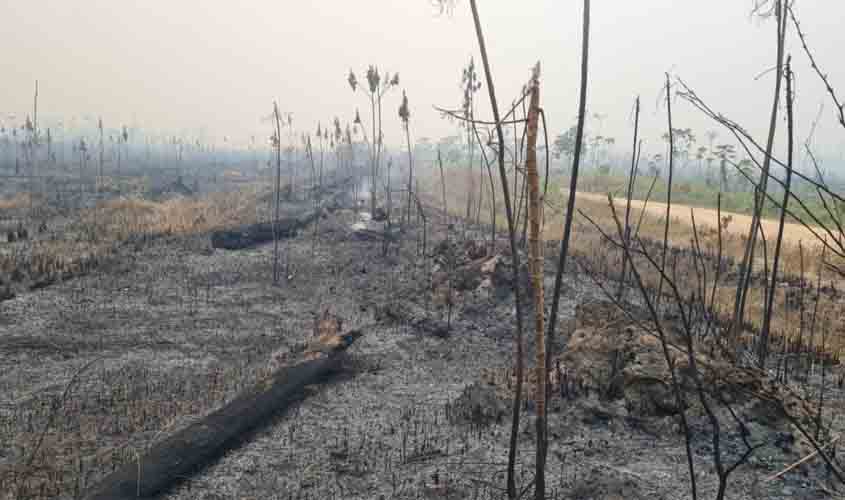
(214, 67)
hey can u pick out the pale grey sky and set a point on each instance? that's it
(183, 64)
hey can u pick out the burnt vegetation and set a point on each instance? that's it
(322, 314)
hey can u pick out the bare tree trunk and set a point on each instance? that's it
(573, 180)
(277, 195)
(33, 145)
(632, 176)
(763, 350)
(318, 198)
(374, 159)
(378, 140)
(480, 177)
(801, 308)
(819, 423)
(471, 187)
(668, 193)
(535, 265)
(389, 210)
(492, 188)
(102, 160)
(480, 194)
(760, 196)
(81, 173)
(511, 474)
(291, 161)
(443, 186)
(410, 171)
(524, 202)
(421, 215)
(99, 178)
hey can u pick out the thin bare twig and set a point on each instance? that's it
(801, 461)
(840, 107)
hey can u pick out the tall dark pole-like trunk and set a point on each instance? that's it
(668, 193)
(102, 159)
(33, 155)
(573, 183)
(471, 187)
(410, 172)
(379, 143)
(443, 187)
(763, 348)
(318, 200)
(374, 165)
(492, 189)
(277, 194)
(511, 472)
(389, 203)
(632, 176)
(760, 196)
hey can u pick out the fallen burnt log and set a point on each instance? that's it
(251, 235)
(186, 452)
(255, 234)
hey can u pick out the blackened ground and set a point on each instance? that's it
(182, 328)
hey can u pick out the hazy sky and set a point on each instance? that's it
(183, 64)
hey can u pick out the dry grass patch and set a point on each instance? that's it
(590, 248)
(17, 201)
(122, 218)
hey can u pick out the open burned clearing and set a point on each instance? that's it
(99, 368)
(410, 293)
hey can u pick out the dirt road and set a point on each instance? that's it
(739, 223)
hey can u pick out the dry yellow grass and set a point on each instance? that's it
(18, 201)
(95, 233)
(706, 217)
(734, 232)
(589, 245)
(118, 219)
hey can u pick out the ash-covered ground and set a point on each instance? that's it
(114, 361)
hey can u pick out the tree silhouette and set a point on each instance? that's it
(470, 85)
(564, 144)
(724, 152)
(684, 139)
(375, 90)
(405, 117)
(744, 170)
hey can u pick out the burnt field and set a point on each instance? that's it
(575, 251)
(98, 368)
